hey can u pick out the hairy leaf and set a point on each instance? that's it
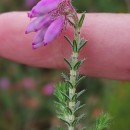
(75, 48)
(68, 62)
(81, 20)
(78, 108)
(80, 79)
(69, 41)
(82, 44)
(80, 93)
(65, 76)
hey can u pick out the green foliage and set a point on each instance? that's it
(60, 128)
(75, 46)
(61, 102)
(78, 64)
(63, 110)
(79, 79)
(103, 121)
(80, 23)
(101, 6)
(68, 63)
(65, 76)
(21, 106)
(23, 102)
(68, 41)
(117, 96)
(61, 90)
(82, 43)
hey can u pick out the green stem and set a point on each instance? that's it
(73, 75)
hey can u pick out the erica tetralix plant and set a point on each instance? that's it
(48, 19)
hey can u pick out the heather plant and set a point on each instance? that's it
(49, 19)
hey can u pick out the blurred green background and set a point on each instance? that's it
(26, 101)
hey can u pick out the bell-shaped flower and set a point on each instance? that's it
(43, 7)
(48, 18)
(47, 35)
(38, 23)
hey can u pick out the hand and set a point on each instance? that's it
(107, 52)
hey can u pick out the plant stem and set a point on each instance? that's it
(73, 76)
(67, 96)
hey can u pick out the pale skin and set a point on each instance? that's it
(107, 52)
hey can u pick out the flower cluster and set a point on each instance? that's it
(48, 20)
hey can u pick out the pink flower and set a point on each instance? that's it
(48, 89)
(48, 19)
